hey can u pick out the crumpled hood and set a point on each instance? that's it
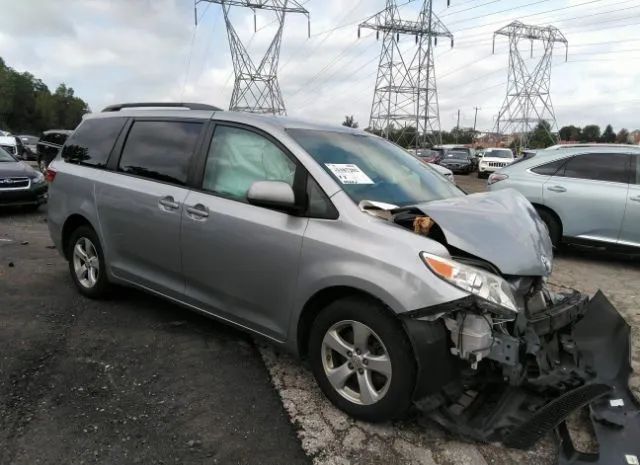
(501, 227)
(10, 169)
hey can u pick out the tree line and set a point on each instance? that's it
(27, 106)
(591, 133)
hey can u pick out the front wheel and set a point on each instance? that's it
(362, 359)
(553, 226)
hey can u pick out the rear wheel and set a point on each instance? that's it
(86, 263)
(553, 225)
(362, 359)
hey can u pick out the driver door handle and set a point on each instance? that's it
(636, 198)
(198, 212)
(557, 189)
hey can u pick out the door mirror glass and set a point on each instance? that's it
(272, 194)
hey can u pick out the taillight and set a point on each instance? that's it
(50, 174)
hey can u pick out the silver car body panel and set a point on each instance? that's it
(501, 228)
(588, 209)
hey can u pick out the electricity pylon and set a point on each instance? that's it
(406, 94)
(528, 99)
(256, 88)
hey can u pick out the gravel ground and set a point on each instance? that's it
(138, 380)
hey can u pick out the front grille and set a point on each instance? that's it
(14, 183)
(497, 164)
(9, 148)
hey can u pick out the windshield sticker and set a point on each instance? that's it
(349, 173)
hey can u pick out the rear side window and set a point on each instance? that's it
(160, 150)
(93, 141)
(550, 169)
(611, 167)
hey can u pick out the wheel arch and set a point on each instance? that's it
(72, 223)
(320, 300)
(552, 212)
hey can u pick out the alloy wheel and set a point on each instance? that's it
(356, 362)
(86, 262)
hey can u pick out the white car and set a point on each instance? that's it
(446, 172)
(9, 144)
(493, 159)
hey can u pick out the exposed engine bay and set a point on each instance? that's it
(519, 374)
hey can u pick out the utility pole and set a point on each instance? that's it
(256, 88)
(528, 99)
(405, 92)
(475, 119)
(458, 126)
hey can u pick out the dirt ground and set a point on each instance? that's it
(139, 380)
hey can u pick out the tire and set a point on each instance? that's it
(387, 348)
(553, 226)
(480, 175)
(93, 284)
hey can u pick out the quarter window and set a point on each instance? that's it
(160, 150)
(92, 142)
(238, 158)
(550, 169)
(612, 167)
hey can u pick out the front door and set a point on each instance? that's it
(589, 194)
(241, 261)
(630, 234)
(140, 206)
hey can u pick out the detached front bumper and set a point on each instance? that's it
(592, 369)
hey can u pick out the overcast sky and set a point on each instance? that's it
(134, 50)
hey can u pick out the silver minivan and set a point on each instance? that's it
(332, 243)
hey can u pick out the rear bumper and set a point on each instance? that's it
(518, 416)
(36, 195)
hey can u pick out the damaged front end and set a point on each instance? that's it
(516, 358)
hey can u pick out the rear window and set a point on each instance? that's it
(160, 150)
(93, 141)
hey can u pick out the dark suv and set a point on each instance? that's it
(49, 146)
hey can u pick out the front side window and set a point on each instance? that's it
(92, 142)
(239, 157)
(612, 167)
(160, 150)
(371, 168)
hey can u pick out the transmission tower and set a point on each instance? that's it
(528, 99)
(406, 95)
(256, 88)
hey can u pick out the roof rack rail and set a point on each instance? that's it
(189, 106)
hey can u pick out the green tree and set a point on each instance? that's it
(541, 136)
(27, 105)
(590, 133)
(570, 133)
(350, 122)
(608, 136)
(623, 136)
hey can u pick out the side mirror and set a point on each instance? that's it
(272, 194)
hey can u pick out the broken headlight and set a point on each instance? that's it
(493, 293)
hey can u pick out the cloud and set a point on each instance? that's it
(135, 50)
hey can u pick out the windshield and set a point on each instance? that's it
(371, 168)
(498, 153)
(457, 155)
(5, 157)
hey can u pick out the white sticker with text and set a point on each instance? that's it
(349, 173)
